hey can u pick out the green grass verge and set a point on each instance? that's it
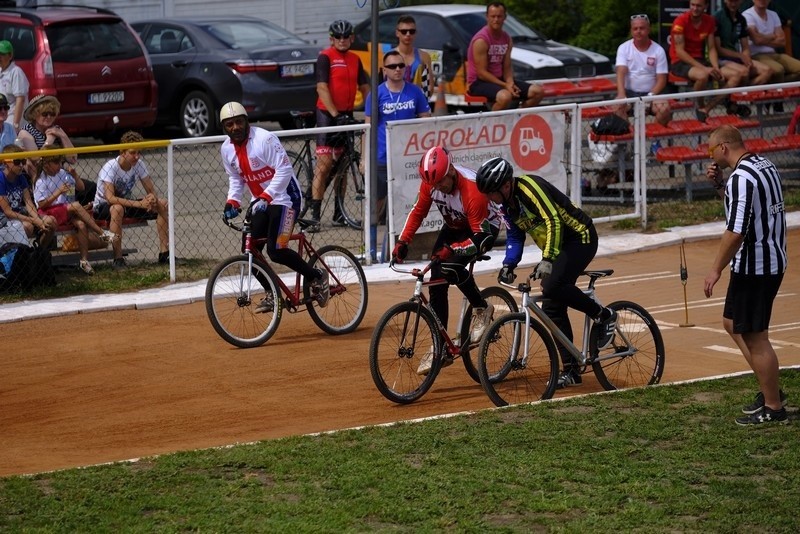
(663, 459)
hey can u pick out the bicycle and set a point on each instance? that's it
(245, 297)
(518, 361)
(348, 181)
(408, 330)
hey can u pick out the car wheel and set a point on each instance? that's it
(197, 117)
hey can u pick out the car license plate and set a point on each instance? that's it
(292, 71)
(107, 98)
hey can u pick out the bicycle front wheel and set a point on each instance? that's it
(503, 303)
(350, 192)
(243, 303)
(405, 336)
(516, 368)
(635, 357)
(348, 288)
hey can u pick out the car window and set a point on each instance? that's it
(431, 32)
(468, 25)
(167, 40)
(251, 34)
(82, 42)
(21, 38)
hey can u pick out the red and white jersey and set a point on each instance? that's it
(263, 166)
(464, 207)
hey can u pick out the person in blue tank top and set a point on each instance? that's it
(397, 100)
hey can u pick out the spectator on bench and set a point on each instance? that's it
(16, 201)
(642, 70)
(114, 200)
(54, 193)
(489, 71)
(692, 36)
(766, 34)
(733, 47)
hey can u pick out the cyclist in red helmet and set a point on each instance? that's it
(470, 227)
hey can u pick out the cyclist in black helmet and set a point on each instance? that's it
(340, 74)
(567, 237)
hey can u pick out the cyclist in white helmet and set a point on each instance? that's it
(254, 157)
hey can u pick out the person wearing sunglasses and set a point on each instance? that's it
(340, 74)
(418, 62)
(753, 245)
(16, 201)
(14, 84)
(7, 132)
(642, 69)
(397, 100)
(489, 70)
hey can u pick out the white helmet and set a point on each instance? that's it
(230, 110)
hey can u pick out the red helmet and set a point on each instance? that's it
(434, 165)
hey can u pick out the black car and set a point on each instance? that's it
(202, 63)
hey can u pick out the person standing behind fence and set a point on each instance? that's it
(754, 245)
(642, 70)
(16, 201)
(419, 69)
(51, 194)
(691, 38)
(340, 74)
(114, 199)
(14, 84)
(733, 46)
(397, 100)
(489, 70)
(7, 132)
(766, 34)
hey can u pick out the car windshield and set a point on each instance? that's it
(250, 34)
(468, 25)
(82, 42)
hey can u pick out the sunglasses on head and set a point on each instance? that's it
(410, 31)
(394, 66)
(640, 16)
(341, 36)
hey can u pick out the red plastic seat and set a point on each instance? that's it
(552, 89)
(654, 129)
(680, 154)
(680, 104)
(760, 145)
(598, 85)
(787, 142)
(732, 120)
(611, 138)
(595, 113)
(689, 126)
(475, 99)
(677, 80)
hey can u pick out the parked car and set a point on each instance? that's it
(202, 63)
(88, 58)
(446, 30)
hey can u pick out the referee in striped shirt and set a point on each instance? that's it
(754, 244)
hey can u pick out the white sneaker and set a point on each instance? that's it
(108, 237)
(266, 305)
(86, 267)
(483, 318)
(426, 363)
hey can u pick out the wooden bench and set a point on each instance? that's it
(70, 257)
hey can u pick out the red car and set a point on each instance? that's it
(91, 60)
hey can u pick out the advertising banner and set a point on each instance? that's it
(532, 142)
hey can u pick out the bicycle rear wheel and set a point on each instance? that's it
(233, 293)
(401, 339)
(349, 187)
(348, 287)
(503, 303)
(635, 357)
(508, 372)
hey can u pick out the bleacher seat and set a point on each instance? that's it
(787, 142)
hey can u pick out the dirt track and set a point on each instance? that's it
(100, 387)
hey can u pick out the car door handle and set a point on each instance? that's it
(180, 63)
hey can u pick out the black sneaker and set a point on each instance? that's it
(568, 379)
(321, 288)
(759, 403)
(763, 416)
(119, 264)
(163, 257)
(607, 326)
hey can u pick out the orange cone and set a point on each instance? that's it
(440, 106)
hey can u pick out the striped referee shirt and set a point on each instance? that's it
(754, 208)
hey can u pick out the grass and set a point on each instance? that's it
(663, 459)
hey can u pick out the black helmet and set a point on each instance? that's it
(340, 27)
(493, 174)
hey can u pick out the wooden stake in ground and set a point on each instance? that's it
(684, 278)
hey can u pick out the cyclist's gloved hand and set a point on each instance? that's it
(506, 275)
(543, 270)
(260, 205)
(400, 251)
(342, 119)
(442, 254)
(231, 211)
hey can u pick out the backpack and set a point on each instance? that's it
(611, 124)
(23, 267)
